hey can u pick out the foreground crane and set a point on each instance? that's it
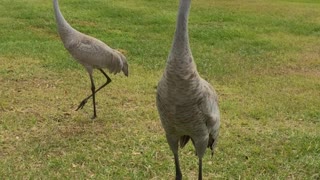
(187, 104)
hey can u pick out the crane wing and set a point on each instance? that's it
(93, 46)
(208, 105)
(93, 52)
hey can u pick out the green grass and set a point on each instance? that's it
(262, 57)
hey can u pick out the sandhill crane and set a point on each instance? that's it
(187, 104)
(91, 53)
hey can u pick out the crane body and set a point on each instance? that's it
(89, 52)
(187, 104)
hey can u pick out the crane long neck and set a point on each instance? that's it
(181, 37)
(64, 27)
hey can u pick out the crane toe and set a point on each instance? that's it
(81, 105)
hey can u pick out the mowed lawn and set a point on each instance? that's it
(262, 57)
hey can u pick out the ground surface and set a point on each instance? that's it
(262, 57)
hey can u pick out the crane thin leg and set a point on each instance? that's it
(93, 88)
(83, 102)
(200, 169)
(177, 164)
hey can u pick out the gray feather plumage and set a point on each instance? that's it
(89, 51)
(187, 104)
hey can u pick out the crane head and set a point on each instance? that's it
(124, 69)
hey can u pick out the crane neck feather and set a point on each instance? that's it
(180, 62)
(181, 37)
(64, 27)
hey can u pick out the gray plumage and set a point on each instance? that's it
(90, 52)
(187, 104)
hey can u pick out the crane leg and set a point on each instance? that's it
(200, 169)
(177, 164)
(173, 142)
(93, 88)
(83, 102)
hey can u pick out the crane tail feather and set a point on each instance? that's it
(211, 144)
(184, 140)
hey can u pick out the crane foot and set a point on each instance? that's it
(81, 105)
